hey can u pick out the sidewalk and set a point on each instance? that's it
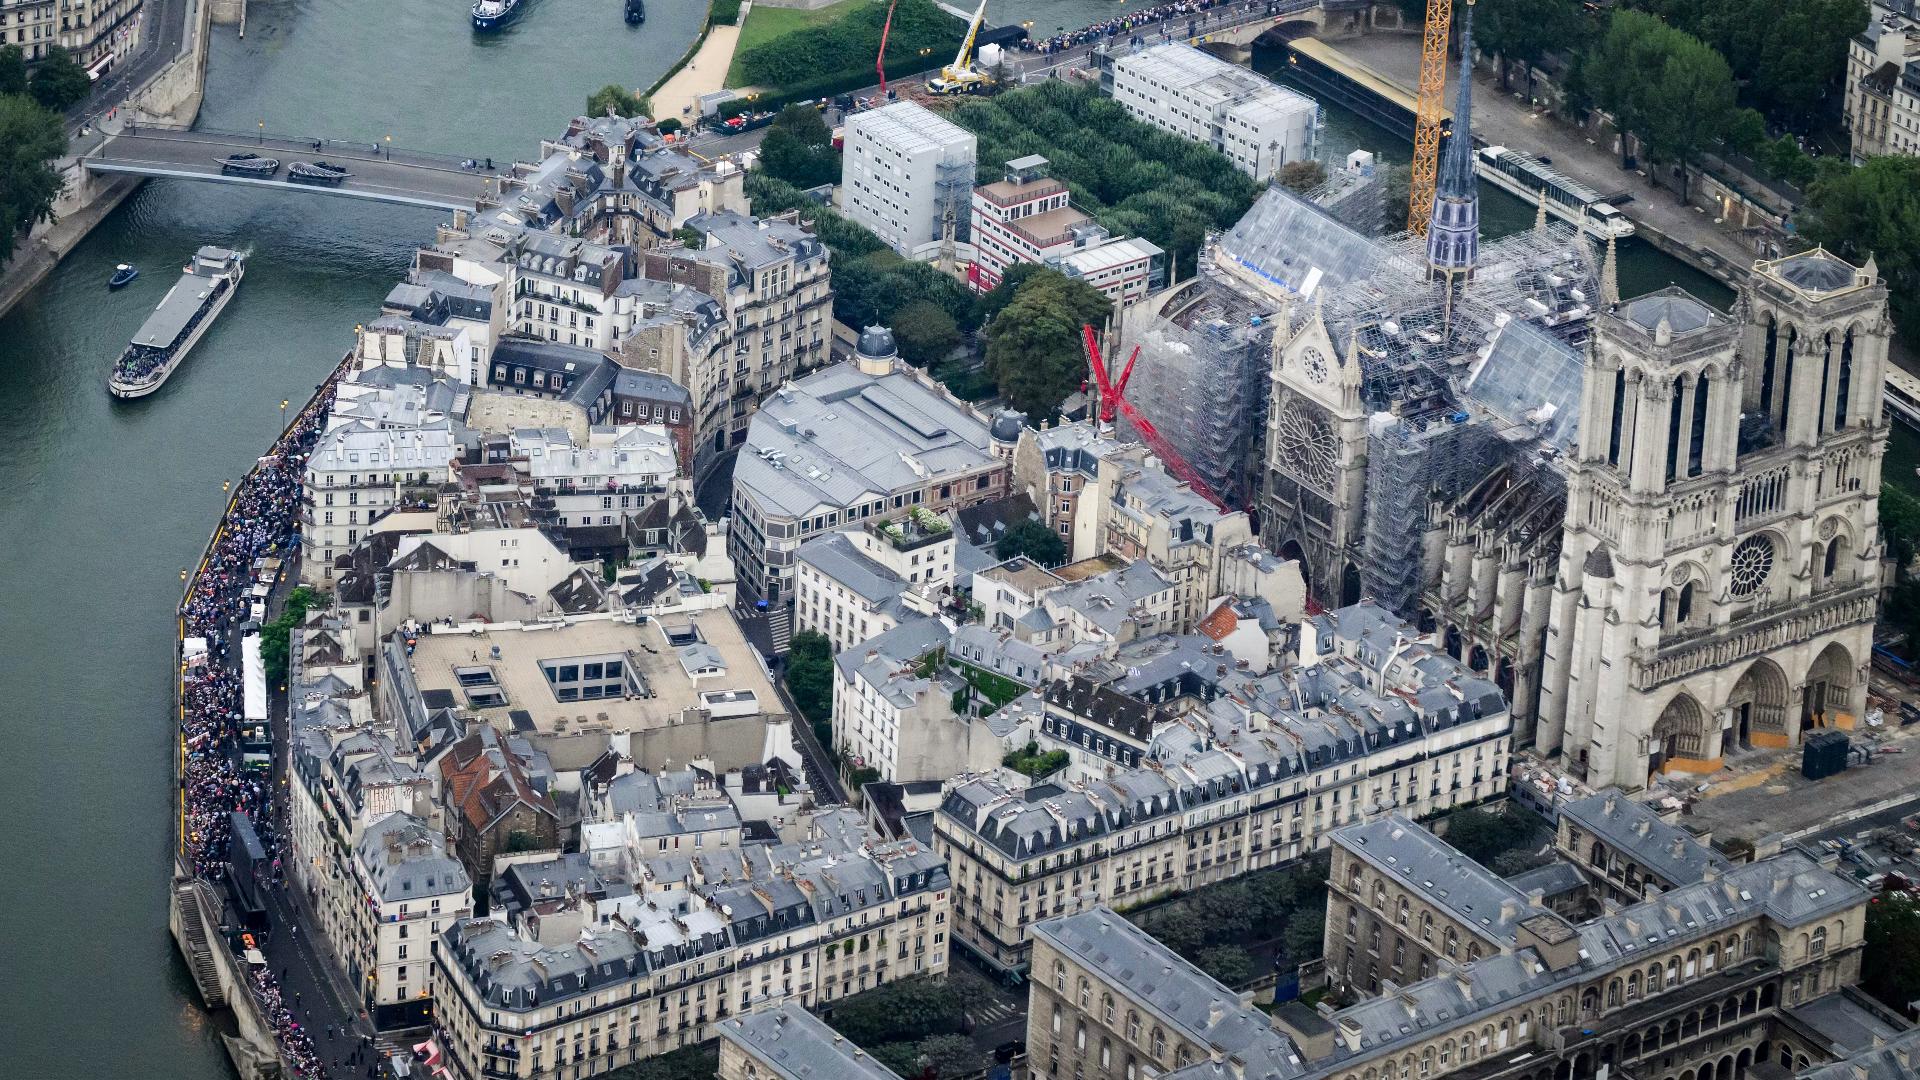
(1500, 118)
(679, 99)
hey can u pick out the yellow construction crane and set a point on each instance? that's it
(961, 77)
(1429, 118)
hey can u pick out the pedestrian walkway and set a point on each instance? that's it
(996, 1013)
(679, 97)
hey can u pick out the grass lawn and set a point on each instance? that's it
(767, 23)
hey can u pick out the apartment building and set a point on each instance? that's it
(29, 25)
(1257, 123)
(614, 474)
(410, 889)
(1882, 109)
(852, 584)
(1109, 1001)
(365, 846)
(358, 473)
(774, 287)
(1750, 968)
(1257, 773)
(97, 33)
(630, 965)
(620, 182)
(873, 439)
(1629, 852)
(1025, 217)
(908, 176)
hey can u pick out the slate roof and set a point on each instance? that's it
(1630, 826)
(1171, 990)
(406, 860)
(790, 1044)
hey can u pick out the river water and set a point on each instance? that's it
(107, 503)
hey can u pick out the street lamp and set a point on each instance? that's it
(283, 412)
(389, 148)
(263, 133)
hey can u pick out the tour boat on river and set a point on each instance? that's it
(176, 325)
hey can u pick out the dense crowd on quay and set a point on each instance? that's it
(1120, 24)
(259, 521)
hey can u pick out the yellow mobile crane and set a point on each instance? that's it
(961, 77)
(1428, 127)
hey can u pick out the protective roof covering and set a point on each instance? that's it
(1680, 311)
(1531, 377)
(1816, 271)
(1296, 245)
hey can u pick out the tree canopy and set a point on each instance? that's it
(13, 70)
(58, 80)
(1788, 54)
(31, 139)
(1524, 31)
(924, 332)
(1873, 210)
(810, 674)
(799, 148)
(1485, 835)
(1034, 348)
(620, 100)
(1034, 540)
(907, 1010)
(1664, 85)
(1890, 966)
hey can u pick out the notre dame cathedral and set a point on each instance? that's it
(1653, 524)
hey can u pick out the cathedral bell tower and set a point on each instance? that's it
(1719, 571)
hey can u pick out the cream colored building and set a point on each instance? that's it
(725, 934)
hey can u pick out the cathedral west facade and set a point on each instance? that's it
(1719, 563)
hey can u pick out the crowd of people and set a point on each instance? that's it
(260, 521)
(1131, 21)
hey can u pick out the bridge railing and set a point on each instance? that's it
(364, 149)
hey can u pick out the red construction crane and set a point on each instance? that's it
(1112, 401)
(880, 61)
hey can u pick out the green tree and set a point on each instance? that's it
(1228, 963)
(698, 1062)
(1034, 540)
(787, 156)
(1789, 54)
(277, 635)
(1484, 835)
(1034, 347)
(1668, 87)
(1302, 176)
(1524, 31)
(804, 123)
(1305, 934)
(997, 298)
(619, 100)
(1890, 966)
(59, 81)
(13, 70)
(925, 332)
(1784, 160)
(1177, 927)
(1873, 210)
(907, 1010)
(946, 1055)
(810, 674)
(31, 139)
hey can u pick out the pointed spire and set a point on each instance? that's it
(1453, 232)
(1610, 275)
(1540, 216)
(1871, 269)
